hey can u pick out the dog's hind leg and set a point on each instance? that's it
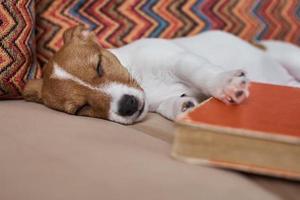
(287, 54)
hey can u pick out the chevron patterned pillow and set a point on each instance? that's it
(17, 52)
(119, 22)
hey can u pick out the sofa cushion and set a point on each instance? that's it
(45, 154)
(156, 126)
(120, 22)
(17, 47)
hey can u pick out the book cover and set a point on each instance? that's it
(261, 135)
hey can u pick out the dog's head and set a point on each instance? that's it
(84, 78)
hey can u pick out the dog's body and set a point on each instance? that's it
(202, 65)
(168, 75)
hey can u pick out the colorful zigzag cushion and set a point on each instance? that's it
(120, 22)
(17, 47)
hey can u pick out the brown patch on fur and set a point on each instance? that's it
(259, 46)
(80, 56)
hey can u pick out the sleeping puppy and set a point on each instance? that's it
(84, 79)
(164, 76)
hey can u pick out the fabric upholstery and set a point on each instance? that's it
(156, 126)
(17, 47)
(120, 22)
(46, 154)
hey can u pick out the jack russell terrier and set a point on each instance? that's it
(157, 75)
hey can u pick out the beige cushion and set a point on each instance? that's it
(45, 154)
(156, 126)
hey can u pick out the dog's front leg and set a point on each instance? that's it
(211, 80)
(174, 106)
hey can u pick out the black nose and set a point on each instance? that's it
(128, 105)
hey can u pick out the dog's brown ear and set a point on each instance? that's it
(78, 32)
(68, 35)
(33, 90)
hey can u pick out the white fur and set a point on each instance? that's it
(113, 89)
(205, 65)
(287, 55)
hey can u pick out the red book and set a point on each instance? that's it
(261, 135)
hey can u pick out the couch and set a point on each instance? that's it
(50, 155)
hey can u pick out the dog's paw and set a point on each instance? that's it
(185, 104)
(175, 106)
(232, 87)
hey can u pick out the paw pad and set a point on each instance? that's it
(233, 87)
(187, 105)
(239, 93)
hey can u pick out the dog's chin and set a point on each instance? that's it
(142, 112)
(127, 120)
